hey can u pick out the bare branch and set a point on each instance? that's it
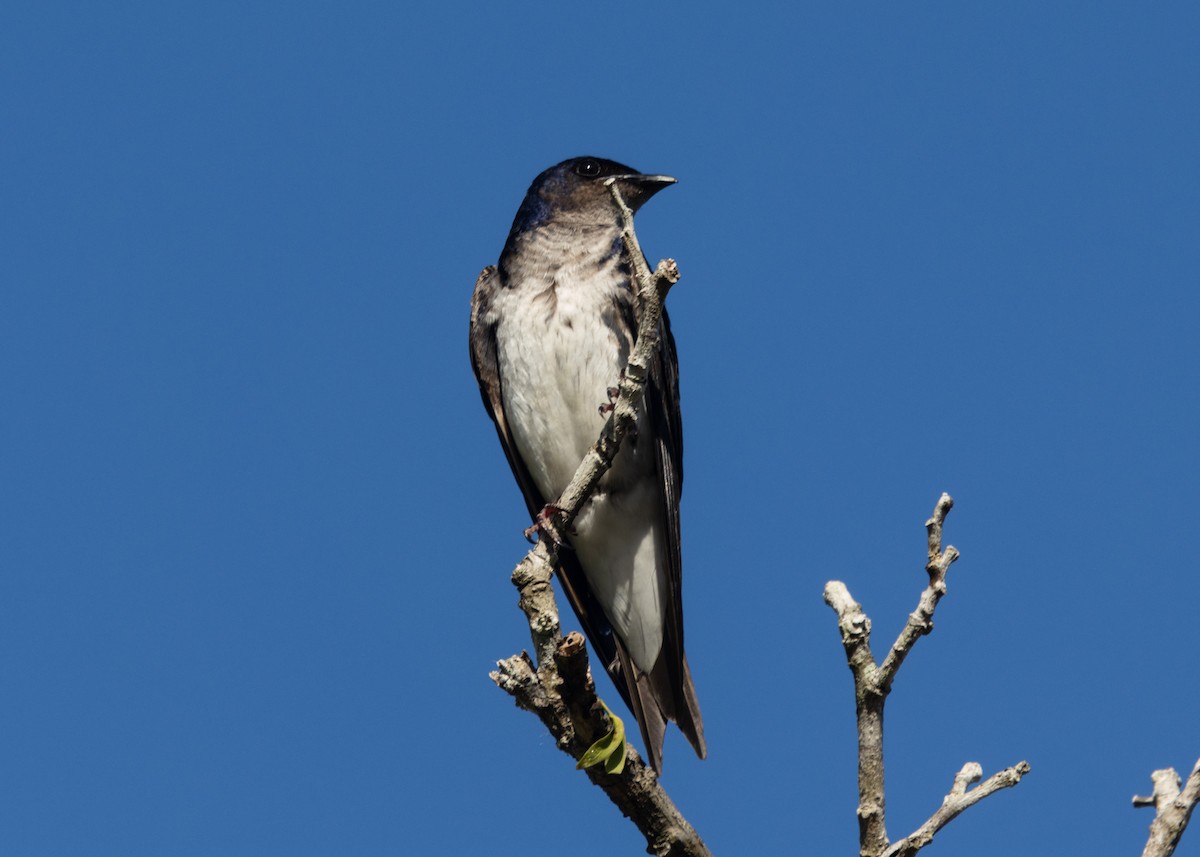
(920, 621)
(869, 697)
(873, 683)
(532, 579)
(559, 689)
(956, 801)
(1172, 809)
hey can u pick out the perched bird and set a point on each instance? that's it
(552, 326)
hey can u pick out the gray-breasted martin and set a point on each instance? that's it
(552, 326)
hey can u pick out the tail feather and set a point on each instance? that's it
(654, 699)
(687, 713)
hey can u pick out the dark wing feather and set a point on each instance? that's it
(662, 406)
(487, 372)
(666, 692)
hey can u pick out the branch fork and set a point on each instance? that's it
(873, 683)
(1172, 809)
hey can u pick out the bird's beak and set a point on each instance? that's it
(636, 189)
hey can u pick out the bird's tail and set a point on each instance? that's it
(687, 712)
(657, 697)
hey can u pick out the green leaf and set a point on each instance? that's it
(610, 749)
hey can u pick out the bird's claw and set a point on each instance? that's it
(607, 407)
(544, 527)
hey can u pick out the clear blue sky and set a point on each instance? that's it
(255, 526)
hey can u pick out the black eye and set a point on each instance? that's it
(588, 169)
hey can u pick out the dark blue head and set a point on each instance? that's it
(580, 189)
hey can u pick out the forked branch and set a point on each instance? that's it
(1172, 809)
(873, 683)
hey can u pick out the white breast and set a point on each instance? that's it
(557, 360)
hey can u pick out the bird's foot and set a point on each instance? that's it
(607, 407)
(544, 527)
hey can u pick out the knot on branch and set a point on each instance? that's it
(972, 772)
(533, 570)
(856, 625)
(922, 622)
(515, 674)
(666, 274)
(869, 809)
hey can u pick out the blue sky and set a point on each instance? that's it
(256, 526)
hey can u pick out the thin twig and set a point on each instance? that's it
(559, 689)
(1172, 809)
(920, 621)
(956, 801)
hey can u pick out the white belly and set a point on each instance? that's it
(556, 375)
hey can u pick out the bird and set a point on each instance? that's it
(552, 326)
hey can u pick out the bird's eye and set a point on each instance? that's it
(588, 169)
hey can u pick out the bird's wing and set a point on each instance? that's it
(665, 692)
(662, 410)
(487, 372)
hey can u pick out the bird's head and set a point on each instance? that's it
(581, 189)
